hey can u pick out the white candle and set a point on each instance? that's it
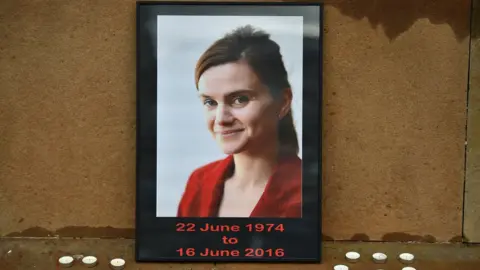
(340, 267)
(408, 268)
(352, 256)
(89, 261)
(117, 263)
(66, 261)
(406, 257)
(379, 257)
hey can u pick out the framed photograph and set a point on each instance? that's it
(229, 99)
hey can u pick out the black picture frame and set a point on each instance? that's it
(157, 238)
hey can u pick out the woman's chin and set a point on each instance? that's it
(231, 150)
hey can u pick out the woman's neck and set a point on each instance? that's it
(253, 169)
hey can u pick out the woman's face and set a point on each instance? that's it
(240, 111)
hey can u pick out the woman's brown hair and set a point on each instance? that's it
(263, 55)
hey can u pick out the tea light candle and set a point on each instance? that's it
(406, 257)
(66, 261)
(352, 256)
(117, 263)
(408, 268)
(379, 257)
(89, 261)
(340, 267)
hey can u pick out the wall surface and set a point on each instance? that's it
(395, 95)
(395, 98)
(472, 180)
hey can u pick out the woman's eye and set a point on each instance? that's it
(240, 100)
(209, 102)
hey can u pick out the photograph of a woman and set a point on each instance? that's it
(243, 85)
(229, 125)
(250, 112)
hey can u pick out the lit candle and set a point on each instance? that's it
(66, 261)
(406, 258)
(89, 261)
(117, 263)
(340, 267)
(379, 257)
(352, 256)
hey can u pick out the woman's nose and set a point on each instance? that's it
(223, 115)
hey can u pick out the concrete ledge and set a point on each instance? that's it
(21, 253)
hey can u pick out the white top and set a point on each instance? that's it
(407, 257)
(352, 255)
(379, 256)
(117, 262)
(65, 260)
(89, 260)
(340, 267)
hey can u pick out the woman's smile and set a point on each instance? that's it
(229, 133)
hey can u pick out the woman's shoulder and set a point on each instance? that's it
(292, 162)
(200, 185)
(219, 166)
(289, 173)
(205, 177)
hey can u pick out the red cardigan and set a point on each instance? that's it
(282, 196)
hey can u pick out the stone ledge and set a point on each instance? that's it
(19, 254)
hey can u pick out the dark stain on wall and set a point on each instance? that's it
(396, 17)
(327, 238)
(360, 237)
(403, 237)
(458, 239)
